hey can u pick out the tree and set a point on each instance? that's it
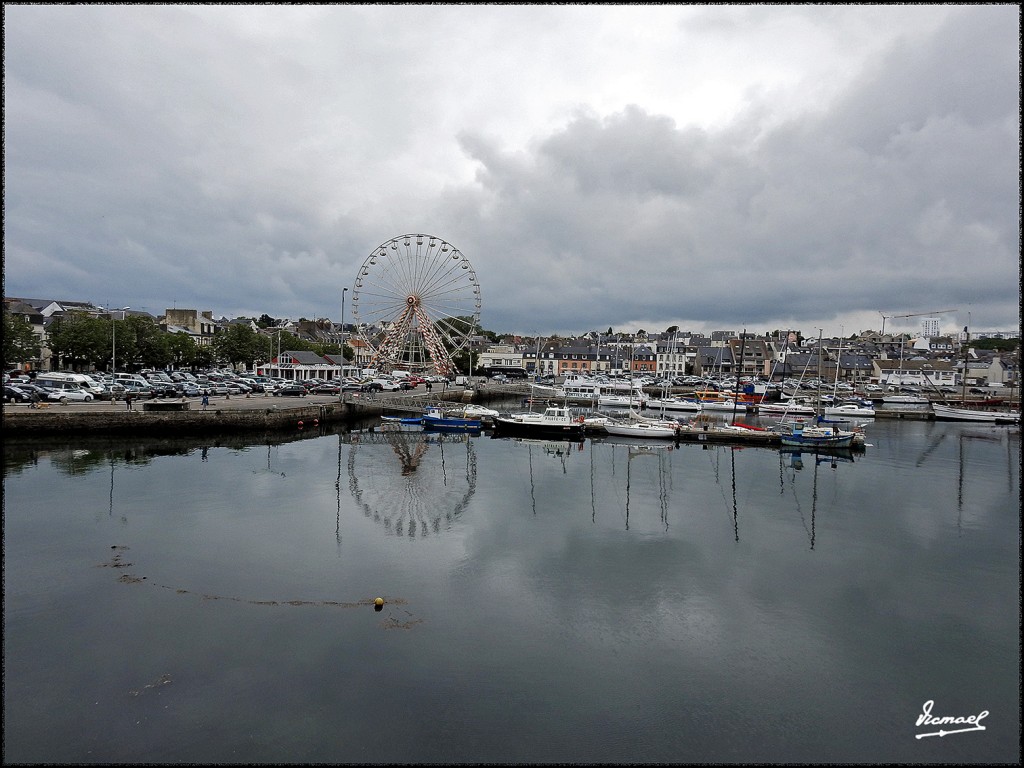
(672, 329)
(20, 342)
(266, 321)
(78, 341)
(182, 349)
(239, 344)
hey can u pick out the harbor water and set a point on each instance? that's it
(594, 601)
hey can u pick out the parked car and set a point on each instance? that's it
(15, 394)
(69, 395)
(290, 390)
(326, 389)
(187, 389)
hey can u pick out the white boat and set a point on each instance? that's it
(905, 400)
(850, 409)
(555, 420)
(725, 404)
(642, 426)
(473, 411)
(659, 430)
(673, 404)
(949, 413)
(788, 408)
(636, 399)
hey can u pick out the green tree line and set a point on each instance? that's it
(81, 342)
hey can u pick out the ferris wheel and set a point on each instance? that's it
(415, 303)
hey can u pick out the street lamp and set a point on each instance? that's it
(113, 337)
(343, 292)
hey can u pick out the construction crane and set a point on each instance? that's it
(913, 314)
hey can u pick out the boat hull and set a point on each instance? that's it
(515, 428)
(642, 430)
(817, 442)
(949, 413)
(451, 424)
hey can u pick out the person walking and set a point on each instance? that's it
(206, 400)
(128, 401)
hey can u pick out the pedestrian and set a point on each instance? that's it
(206, 400)
(128, 401)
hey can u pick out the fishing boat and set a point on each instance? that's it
(436, 419)
(555, 420)
(802, 435)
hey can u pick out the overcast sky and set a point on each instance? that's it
(720, 167)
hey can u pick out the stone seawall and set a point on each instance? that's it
(237, 414)
(53, 421)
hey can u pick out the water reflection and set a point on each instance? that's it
(796, 458)
(386, 481)
(647, 471)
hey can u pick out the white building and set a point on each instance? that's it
(930, 327)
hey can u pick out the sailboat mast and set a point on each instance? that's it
(963, 377)
(739, 376)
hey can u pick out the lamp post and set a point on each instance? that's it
(343, 292)
(113, 337)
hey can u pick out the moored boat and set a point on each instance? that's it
(950, 413)
(850, 409)
(555, 420)
(434, 418)
(673, 404)
(802, 435)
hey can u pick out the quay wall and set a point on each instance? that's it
(54, 421)
(223, 415)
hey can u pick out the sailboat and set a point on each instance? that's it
(818, 436)
(862, 409)
(904, 398)
(946, 412)
(642, 426)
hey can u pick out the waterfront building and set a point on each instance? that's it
(505, 355)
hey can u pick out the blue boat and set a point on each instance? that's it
(435, 418)
(804, 436)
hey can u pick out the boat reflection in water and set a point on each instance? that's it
(414, 483)
(833, 457)
(644, 481)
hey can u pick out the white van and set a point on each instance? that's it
(64, 387)
(87, 383)
(131, 378)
